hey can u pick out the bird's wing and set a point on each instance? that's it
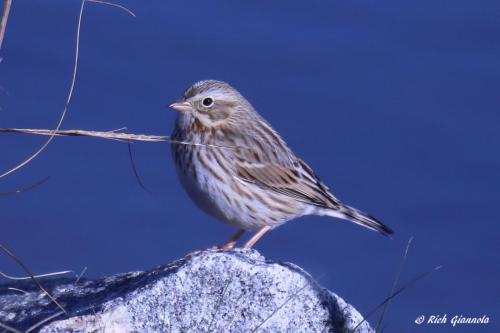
(297, 182)
(269, 163)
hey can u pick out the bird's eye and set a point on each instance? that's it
(207, 101)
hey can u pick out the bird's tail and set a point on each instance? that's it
(359, 217)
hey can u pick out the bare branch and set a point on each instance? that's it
(4, 19)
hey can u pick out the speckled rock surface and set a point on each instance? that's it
(207, 291)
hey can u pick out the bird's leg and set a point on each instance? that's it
(251, 242)
(232, 241)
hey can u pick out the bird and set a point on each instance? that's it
(239, 170)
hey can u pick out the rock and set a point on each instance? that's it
(207, 291)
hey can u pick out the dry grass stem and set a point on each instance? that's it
(394, 284)
(15, 278)
(397, 292)
(43, 321)
(110, 135)
(80, 275)
(4, 19)
(72, 85)
(296, 293)
(68, 100)
(134, 169)
(219, 302)
(125, 9)
(18, 290)
(9, 329)
(25, 189)
(28, 271)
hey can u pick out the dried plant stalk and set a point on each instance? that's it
(4, 19)
(110, 135)
(31, 275)
(73, 79)
(103, 135)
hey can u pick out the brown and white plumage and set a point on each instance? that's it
(243, 173)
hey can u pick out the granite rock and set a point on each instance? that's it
(207, 291)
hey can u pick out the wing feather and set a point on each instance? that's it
(271, 165)
(298, 184)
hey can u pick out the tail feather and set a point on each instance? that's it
(361, 218)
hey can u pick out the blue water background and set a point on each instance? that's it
(395, 104)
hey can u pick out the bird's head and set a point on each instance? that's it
(213, 103)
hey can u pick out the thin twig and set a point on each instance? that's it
(219, 302)
(125, 9)
(80, 275)
(119, 129)
(9, 329)
(27, 270)
(397, 292)
(25, 189)
(43, 321)
(134, 168)
(395, 283)
(104, 135)
(4, 19)
(10, 277)
(112, 136)
(18, 290)
(281, 306)
(68, 99)
(236, 310)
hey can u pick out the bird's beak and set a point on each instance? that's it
(181, 106)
